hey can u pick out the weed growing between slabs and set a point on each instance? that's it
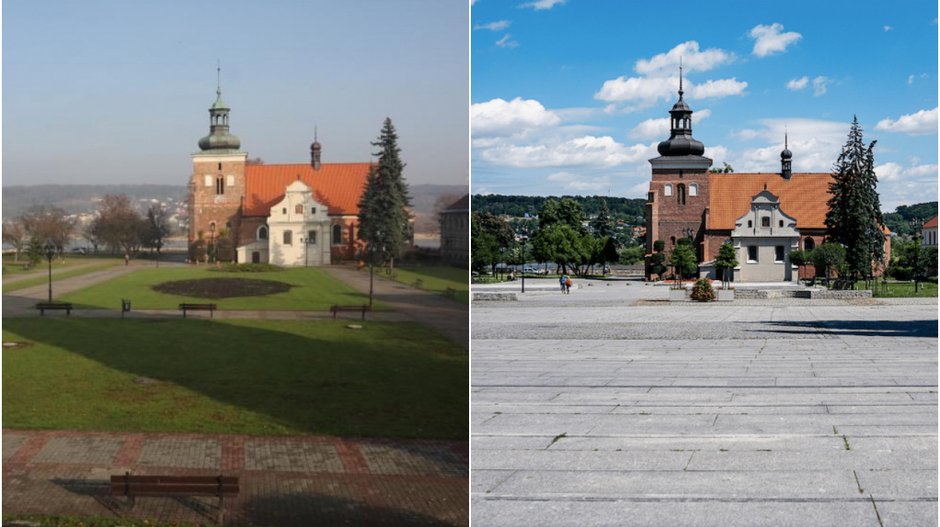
(311, 289)
(276, 377)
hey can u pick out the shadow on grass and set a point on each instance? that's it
(252, 377)
(859, 328)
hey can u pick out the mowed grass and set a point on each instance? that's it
(313, 290)
(435, 278)
(60, 274)
(396, 380)
(899, 290)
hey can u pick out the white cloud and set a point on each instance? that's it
(815, 145)
(912, 77)
(770, 39)
(580, 183)
(501, 117)
(692, 60)
(798, 84)
(919, 123)
(717, 153)
(586, 151)
(540, 5)
(717, 88)
(499, 25)
(645, 89)
(892, 171)
(506, 42)
(819, 85)
(888, 28)
(888, 171)
(659, 128)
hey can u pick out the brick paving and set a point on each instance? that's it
(285, 481)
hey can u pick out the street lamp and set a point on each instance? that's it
(212, 242)
(49, 249)
(525, 241)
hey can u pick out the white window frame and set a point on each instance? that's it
(210, 181)
(783, 255)
(693, 189)
(667, 190)
(230, 181)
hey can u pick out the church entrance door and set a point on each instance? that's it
(255, 257)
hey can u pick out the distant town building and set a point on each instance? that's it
(455, 226)
(284, 214)
(764, 215)
(928, 233)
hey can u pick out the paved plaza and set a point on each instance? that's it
(613, 406)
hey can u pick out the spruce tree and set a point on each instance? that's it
(602, 225)
(854, 217)
(383, 207)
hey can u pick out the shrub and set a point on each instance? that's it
(702, 291)
(659, 245)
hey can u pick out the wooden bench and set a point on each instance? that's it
(132, 486)
(450, 292)
(198, 307)
(362, 308)
(43, 306)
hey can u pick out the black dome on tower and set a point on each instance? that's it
(681, 142)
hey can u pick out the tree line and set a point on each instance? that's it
(117, 227)
(631, 210)
(562, 235)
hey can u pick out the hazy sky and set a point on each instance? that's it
(572, 97)
(118, 92)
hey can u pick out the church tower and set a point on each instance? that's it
(678, 194)
(217, 186)
(786, 160)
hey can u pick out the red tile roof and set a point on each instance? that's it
(336, 185)
(802, 197)
(931, 223)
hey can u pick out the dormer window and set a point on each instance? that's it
(299, 209)
(765, 221)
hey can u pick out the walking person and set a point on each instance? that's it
(562, 281)
(567, 285)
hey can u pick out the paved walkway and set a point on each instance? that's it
(611, 406)
(285, 481)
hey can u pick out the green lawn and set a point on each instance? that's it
(14, 269)
(314, 290)
(60, 274)
(396, 380)
(924, 289)
(435, 278)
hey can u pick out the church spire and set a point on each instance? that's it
(315, 149)
(219, 137)
(681, 142)
(786, 157)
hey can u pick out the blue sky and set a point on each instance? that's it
(571, 97)
(115, 92)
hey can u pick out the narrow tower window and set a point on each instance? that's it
(337, 235)
(220, 185)
(680, 194)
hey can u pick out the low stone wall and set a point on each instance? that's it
(815, 294)
(498, 297)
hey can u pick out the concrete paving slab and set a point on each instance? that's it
(743, 396)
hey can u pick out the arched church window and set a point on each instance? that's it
(680, 194)
(667, 190)
(337, 235)
(219, 185)
(262, 233)
(693, 189)
(808, 244)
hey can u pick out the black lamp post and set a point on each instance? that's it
(212, 241)
(49, 249)
(525, 241)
